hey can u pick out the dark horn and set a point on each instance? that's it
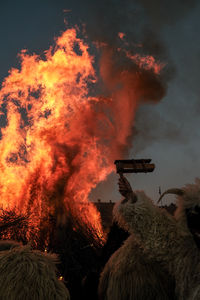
(175, 191)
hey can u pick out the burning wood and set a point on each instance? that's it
(11, 223)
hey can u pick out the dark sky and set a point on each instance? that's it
(167, 132)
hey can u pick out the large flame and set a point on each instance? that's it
(59, 142)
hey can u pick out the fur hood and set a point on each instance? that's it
(29, 274)
(189, 199)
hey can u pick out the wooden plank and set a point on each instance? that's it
(134, 166)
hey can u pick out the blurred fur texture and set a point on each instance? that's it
(131, 273)
(7, 244)
(161, 250)
(29, 274)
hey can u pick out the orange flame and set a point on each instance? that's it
(147, 62)
(59, 142)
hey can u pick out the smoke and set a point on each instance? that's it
(167, 12)
(120, 30)
(129, 85)
(151, 126)
(103, 19)
(142, 22)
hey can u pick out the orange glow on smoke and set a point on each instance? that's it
(147, 62)
(59, 143)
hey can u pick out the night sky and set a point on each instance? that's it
(168, 132)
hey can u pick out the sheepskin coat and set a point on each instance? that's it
(131, 272)
(28, 274)
(165, 239)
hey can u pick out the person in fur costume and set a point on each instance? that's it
(185, 265)
(28, 274)
(131, 273)
(161, 251)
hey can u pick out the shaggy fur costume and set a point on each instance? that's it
(28, 274)
(7, 245)
(131, 273)
(163, 240)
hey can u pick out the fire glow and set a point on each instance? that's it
(59, 142)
